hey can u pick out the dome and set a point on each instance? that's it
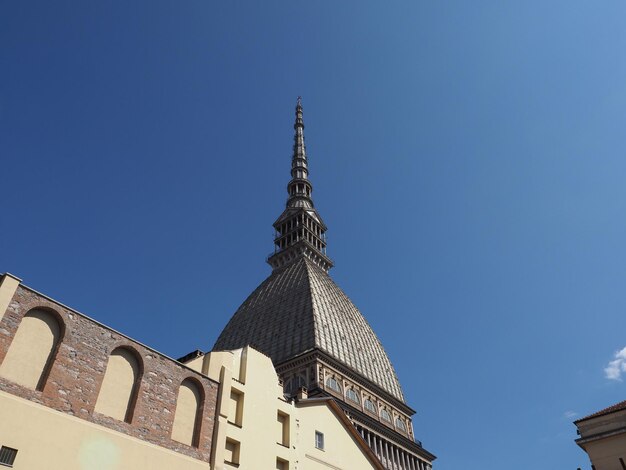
(299, 308)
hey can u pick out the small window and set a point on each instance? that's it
(281, 464)
(369, 405)
(235, 412)
(384, 414)
(7, 456)
(283, 429)
(332, 383)
(231, 455)
(400, 425)
(319, 440)
(352, 395)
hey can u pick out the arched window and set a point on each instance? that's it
(332, 383)
(188, 417)
(32, 350)
(369, 405)
(400, 425)
(118, 392)
(385, 416)
(352, 395)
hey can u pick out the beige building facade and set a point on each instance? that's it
(260, 428)
(46, 439)
(603, 437)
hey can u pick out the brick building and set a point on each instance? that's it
(73, 392)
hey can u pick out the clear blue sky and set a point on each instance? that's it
(468, 158)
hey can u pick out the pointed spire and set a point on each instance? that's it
(299, 187)
(300, 230)
(298, 147)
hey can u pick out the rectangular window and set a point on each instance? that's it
(235, 413)
(282, 433)
(7, 456)
(319, 440)
(231, 456)
(281, 464)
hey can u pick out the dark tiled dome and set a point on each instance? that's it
(299, 308)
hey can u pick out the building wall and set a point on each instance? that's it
(249, 402)
(605, 454)
(340, 447)
(49, 439)
(248, 378)
(83, 353)
(8, 286)
(603, 437)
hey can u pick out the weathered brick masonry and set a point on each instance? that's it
(78, 371)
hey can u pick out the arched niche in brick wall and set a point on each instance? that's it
(118, 392)
(188, 416)
(31, 354)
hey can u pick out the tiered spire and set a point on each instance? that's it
(299, 188)
(300, 230)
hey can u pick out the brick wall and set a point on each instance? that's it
(78, 370)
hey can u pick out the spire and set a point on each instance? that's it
(299, 187)
(300, 230)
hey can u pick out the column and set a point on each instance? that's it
(387, 454)
(378, 452)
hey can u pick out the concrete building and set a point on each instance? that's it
(603, 437)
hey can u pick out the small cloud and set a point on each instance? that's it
(613, 371)
(570, 414)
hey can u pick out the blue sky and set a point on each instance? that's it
(468, 158)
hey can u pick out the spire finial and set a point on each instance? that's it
(299, 121)
(300, 229)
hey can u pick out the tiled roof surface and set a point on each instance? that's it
(298, 308)
(611, 409)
